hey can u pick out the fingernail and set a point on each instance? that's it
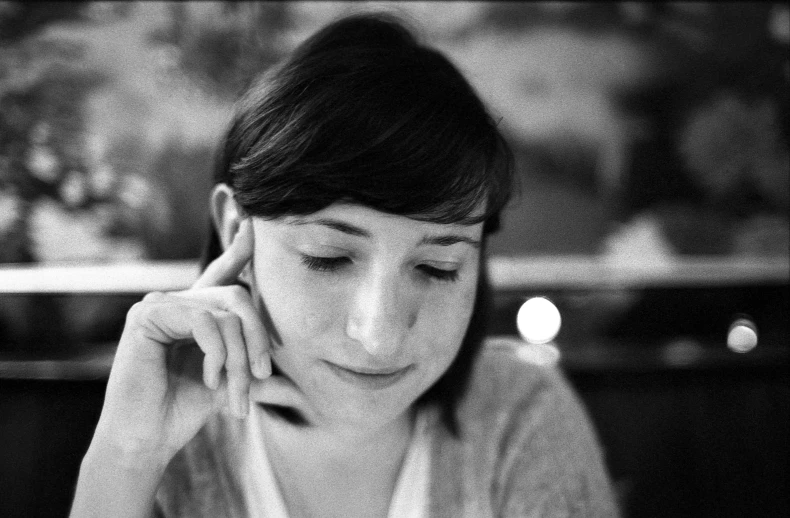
(211, 380)
(265, 365)
(259, 369)
(244, 407)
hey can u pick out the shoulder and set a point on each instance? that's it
(510, 379)
(529, 436)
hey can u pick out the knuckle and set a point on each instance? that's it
(154, 296)
(204, 319)
(204, 324)
(231, 321)
(134, 311)
(139, 311)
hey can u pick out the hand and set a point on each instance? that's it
(184, 356)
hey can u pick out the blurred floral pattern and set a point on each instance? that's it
(642, 130)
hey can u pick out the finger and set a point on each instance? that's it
(209, 337)
(255, 336)
(237, 300)
(167, 324)
(161, 322)
(236, 364)
(226, 268)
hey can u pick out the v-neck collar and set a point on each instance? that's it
(409, 499)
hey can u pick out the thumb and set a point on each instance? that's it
(225, 269)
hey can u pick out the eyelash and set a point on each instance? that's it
(324, 264)
(331, 264)
(439, 274)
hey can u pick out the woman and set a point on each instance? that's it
(329, 361)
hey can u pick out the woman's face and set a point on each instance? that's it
(367, 309)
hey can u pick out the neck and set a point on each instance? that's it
(336, 443)
(336, 471)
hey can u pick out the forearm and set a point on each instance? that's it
(116, 483)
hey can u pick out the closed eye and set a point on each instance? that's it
(324, 264)
(438, 273)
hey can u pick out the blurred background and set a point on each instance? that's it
(652, 148)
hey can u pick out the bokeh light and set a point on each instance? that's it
(538, 320)
(742, 336)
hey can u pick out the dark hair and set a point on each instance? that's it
(363, 113)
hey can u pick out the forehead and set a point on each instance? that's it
(375, 219)
(365, 222)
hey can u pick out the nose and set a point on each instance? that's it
(380, 315)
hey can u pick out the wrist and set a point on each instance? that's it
(127, 456)
(116, 481)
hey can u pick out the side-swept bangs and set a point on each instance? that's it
(362, 113)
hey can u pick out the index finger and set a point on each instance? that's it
(225, 269)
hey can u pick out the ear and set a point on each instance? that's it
(225, 214)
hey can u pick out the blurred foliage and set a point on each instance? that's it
(223, 51)
(42, 123)
(64, 200)
(707, 166)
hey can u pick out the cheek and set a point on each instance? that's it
(299, 310)
(443, 323)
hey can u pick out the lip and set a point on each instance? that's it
(371, 379)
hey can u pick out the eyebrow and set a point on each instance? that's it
(353, 230)
(449, 239)
(334, 224)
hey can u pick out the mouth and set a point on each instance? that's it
(370, 379)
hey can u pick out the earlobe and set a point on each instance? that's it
(225, 213)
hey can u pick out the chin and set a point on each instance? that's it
(365, 409)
